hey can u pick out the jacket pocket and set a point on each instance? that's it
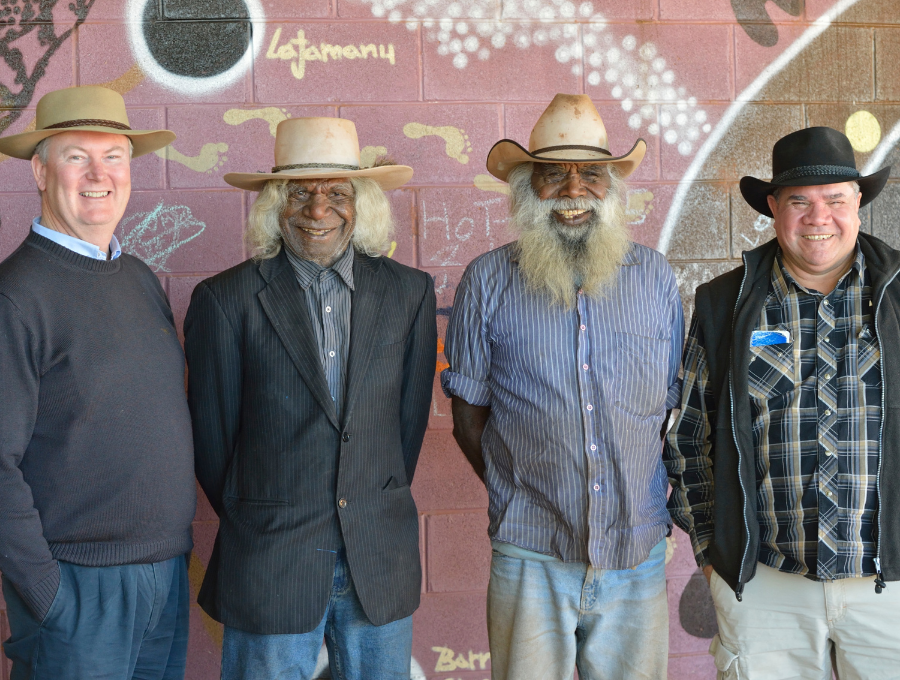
(726, 661)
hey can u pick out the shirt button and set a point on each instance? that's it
(585, 367)
(826, 338)
(590, 407)
(593, 447)
(596, 487)
(827, 411)
(328, 309)
(342, 503)
(828, 376)
(583, 327)
(331, 354)
(829, 453)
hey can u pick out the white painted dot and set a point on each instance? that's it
(627, 105)
(460, 60)
(681, 105)
(454, 10)
(462, 28)
(659, 64)
(586, 9)
(483, 29)
(456, 45)
(443, 49)
(444, 36)
(669, 94)
(629, 80)
(665, 118)
(653, 129)
(629, 42)
(446, 24)
(470, 43)
(498, 40)
(562, 54)
(707, 127)
(647, 51)
(540, 37)
(700, 116)
(646, 111)
(577, 70)
(692, 133)
(593, 78)
(634, 121)
(412, 25)
(546, 14)
(377, 11)
(692, 102)
(652, 80)
(395, 16)
(681, 118)
(671, 136)
(616, 92)
(668, 77)
(684, 148)
(428, 23)
(523, 42)
(613, 55)
(569, 31)
(638, 93)
(611, 75)
(590, 40)
(484, 53)
(567, 10)
(596, 59)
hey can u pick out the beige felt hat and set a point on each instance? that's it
(319, 148)
(89, 107)
(569, 131)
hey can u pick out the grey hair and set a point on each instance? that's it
(777, 192)
(42, 150)
(374, 224)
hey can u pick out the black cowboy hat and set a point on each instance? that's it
(809, 157)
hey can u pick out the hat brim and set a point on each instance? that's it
(755, 191)
(23, 144)
(507, 154)
(387, 176)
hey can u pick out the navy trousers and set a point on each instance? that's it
(128, 622)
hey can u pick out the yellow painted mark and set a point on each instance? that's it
(196, 572)
(639, 205)
(369, 154)
(448, 660)
(670, 547)
(299, 51)
(271, 114)
(863, 130)
(127, 81)
(393, 248)
(456, 140)
(488, 183)
(209, 159)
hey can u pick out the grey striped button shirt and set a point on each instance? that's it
(328, 298)
(578, 398)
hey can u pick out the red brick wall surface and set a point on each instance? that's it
(710, 84)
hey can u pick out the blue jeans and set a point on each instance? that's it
(357, 650)
(105, 623)
(546, 618)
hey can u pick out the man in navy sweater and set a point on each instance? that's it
(96, 460)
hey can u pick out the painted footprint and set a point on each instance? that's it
(457, 141)
(208, 160)
(271, 114)
(369, 154)
(488, 183)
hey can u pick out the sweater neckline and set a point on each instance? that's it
(71, 258)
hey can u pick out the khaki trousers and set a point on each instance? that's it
(791, 627)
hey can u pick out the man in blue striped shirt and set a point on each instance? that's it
(564, 353)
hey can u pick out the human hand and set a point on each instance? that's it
(707, 572)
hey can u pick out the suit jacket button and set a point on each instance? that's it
(342, 503)
(345, 437)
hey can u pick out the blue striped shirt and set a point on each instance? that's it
(572, 446)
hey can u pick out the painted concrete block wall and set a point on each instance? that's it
(710, 84)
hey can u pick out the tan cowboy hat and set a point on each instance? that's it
(569, 131)
(89, 107)
(319, 148)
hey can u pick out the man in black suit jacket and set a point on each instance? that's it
(310, 375)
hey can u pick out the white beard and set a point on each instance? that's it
(559, 260)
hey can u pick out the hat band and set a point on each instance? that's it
(814, 170)
(94, 122)
(308, 166)
(567, 147)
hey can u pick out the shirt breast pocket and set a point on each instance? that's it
(771, 371)
(641, 378)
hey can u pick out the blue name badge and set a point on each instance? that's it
(760, 338)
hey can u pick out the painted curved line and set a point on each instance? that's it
(190, 84)
(883, 149)
(745, 97)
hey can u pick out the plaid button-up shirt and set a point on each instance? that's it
(816, 411)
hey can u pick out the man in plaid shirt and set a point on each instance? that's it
(785, 457)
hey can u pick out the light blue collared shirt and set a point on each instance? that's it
(76, 245)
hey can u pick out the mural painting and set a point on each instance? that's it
(710, 84)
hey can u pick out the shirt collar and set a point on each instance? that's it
(307, 271)
(76, 245)
(782, 281)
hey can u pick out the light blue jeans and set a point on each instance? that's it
(547, 618)
(357, 649)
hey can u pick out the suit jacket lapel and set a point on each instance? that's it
(365, 324)
(285, 305)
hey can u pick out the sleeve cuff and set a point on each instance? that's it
(40, 596)
(471, 391)
(673, 397)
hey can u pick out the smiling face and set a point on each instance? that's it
(318, 219)
(555, 181)
(816, 228)
(85, 184)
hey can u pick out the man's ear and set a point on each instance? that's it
(773, 204)
(40, 172)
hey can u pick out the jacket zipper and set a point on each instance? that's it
(879, 577)
(738, 592)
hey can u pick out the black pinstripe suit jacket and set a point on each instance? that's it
(275, 462)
